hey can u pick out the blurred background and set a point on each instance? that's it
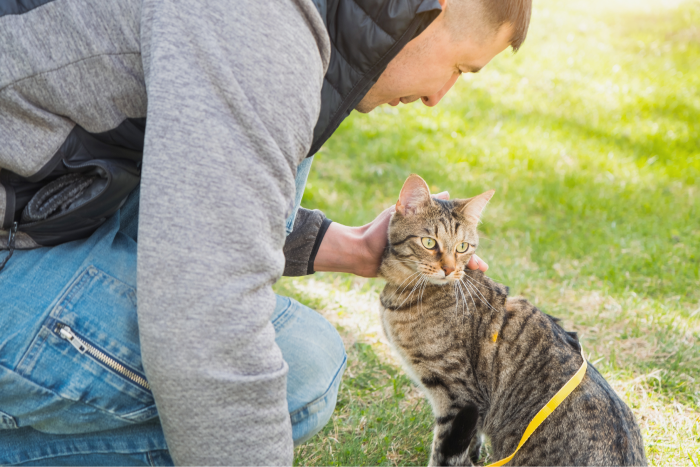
(590, 136)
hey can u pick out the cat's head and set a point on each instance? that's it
(430, 236)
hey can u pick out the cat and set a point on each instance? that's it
(486, 362)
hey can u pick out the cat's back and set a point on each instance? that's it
(593, 425)
(603, 419)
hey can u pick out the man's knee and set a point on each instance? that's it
(315, 353)
(310, 419)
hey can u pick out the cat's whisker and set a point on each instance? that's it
(420, 300)
(404, 288)
(423, 278)
(481, 283)
(418, 292)
(471, 297)
(483, 299)
(415, 287)
(464, 301)
(468, 292)
(470, 288)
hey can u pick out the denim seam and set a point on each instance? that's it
(30, 354)
(132, 290)
(82, 282)
(103, 349)
(284, 316)
(76, 287)
(85, 451)
(53, 306)
(34, 351)
(322, 398)
(77, 401)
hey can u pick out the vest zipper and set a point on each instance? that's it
(83, 346)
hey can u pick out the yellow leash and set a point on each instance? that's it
(548, 409)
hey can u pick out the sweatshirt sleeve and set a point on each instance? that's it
(233, 97)
(303, 242)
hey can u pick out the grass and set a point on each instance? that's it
(590, 135)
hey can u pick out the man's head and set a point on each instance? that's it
(463, 39)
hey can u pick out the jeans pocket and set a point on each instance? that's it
(88, 351)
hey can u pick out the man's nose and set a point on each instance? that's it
(433, 99)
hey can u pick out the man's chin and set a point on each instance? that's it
(365, 107)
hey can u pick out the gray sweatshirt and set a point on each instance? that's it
(231, 93)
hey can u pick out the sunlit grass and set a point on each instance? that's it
(590, 135)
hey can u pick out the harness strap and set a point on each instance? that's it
(548, 409)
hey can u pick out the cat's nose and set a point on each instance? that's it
(448, 270)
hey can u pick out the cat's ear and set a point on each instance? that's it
(473, 207)
(415, 193)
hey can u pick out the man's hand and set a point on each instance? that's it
(358, 250)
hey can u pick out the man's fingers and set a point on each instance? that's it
(477, 263)
(442, 195)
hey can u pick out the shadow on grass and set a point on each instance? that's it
(379, 418)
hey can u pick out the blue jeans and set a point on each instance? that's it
(60, 405)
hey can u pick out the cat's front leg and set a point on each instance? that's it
(453, 436)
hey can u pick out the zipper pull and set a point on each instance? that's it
(66, 333)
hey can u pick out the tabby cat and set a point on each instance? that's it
(488, 362)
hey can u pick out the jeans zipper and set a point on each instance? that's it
(83, 346)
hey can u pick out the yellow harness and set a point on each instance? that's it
(548, 408)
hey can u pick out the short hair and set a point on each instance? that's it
(496, 13)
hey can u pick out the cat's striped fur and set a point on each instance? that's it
(488, 362)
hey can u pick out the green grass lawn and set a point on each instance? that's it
(590, 135)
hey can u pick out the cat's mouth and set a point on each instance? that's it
(444, 280)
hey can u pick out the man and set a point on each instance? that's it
(235, 96)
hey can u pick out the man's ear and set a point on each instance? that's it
(415, 193)
(473, 207)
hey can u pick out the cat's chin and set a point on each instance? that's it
(442, 280)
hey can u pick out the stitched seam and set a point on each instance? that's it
(66, 66)
(131, 294)
(82, 451)
(333, 86)
(282, 317)
(54, 308)
(76, 287)
(100, 409)
(373, 20)
(325, 394)
(337, 50)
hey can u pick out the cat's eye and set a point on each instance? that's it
(462, 247)
(428, 242)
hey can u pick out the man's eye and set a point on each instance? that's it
(462, 247)
(428, 242)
